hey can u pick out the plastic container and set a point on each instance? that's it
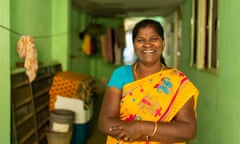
(77, 106)
(61, 120)
(81, 133)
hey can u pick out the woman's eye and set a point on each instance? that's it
(151, 40)
(154, 39)
(140, 40)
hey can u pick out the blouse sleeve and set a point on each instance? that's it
(120, 77)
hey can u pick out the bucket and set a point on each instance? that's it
(61, 120)
(58, 138)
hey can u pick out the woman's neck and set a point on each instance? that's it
(141, 70)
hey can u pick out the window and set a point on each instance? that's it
(204, 34)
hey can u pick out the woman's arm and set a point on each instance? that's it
(109, 117)
(181, 129)
(109, 112)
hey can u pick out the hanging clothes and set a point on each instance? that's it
(112, 44)
(90, 46)
(87, 44)
(118, 46)
(26, 48)
(104, 39)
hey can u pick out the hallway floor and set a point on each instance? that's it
(96, 137)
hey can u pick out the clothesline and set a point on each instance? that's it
(35, 37)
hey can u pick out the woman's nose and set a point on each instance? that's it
(147, 43)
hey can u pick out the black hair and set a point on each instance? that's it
(148, 22)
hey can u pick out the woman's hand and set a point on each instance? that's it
(128, 131)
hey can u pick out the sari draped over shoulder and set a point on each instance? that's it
(157, 97)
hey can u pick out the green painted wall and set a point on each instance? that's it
(47, 22)
(79, 62)
(218, 105)
(60, 20)
(5, 72)
(31, 18)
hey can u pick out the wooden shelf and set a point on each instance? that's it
(42, 123)
(27, 117)
(28, 135)
(42, 136)
(42, 92)
(48, 75)
(45, 105)
(29, 104)
(23, 102)
(22, 83)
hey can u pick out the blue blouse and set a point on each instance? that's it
(121, 76)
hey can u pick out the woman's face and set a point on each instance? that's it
(148, 45)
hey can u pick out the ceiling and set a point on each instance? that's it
(127, 8)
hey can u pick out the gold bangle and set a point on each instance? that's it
(155, 129)
(147, 138)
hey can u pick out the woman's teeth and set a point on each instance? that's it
(148, 51)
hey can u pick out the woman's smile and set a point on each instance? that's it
(148, 51)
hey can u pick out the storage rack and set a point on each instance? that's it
(30, 104)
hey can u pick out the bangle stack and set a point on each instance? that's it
(154, 131)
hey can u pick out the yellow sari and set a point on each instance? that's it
(157, 97)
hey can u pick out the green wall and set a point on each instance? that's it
(79, 62)
(218, 105)
(60, 24)
(31, 18)
(228, 101)
(47, 22)
(5, 72)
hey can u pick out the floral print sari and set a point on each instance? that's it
(157, 97)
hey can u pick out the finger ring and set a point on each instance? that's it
(125, 139)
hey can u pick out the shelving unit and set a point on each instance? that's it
(30, 104)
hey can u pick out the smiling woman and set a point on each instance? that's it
(148, 102)
(129, 56)
(148, 46)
